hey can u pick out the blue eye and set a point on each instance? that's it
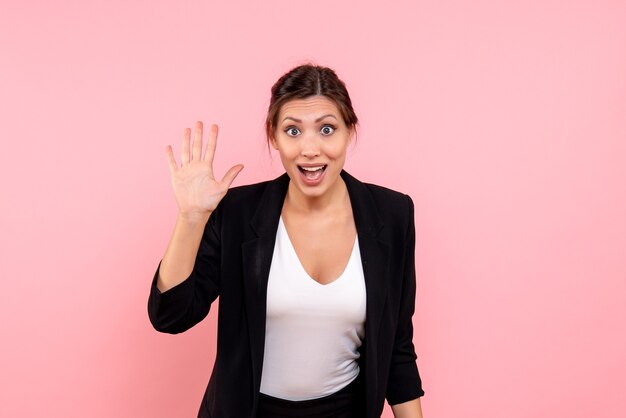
(292, 131)
(327, 130)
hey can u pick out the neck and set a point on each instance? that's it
(334, 198)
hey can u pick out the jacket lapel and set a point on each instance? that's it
(257, 257)
(375, 257)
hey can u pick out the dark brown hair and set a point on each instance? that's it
(305, 81)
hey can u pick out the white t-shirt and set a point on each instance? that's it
(313, 331)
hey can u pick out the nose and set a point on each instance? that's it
(310, 146)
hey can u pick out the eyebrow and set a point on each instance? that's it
(316, 120)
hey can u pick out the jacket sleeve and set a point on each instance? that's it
(405, 383)
(184, 305)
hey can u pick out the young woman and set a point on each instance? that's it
(314, 270)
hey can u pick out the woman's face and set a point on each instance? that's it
(312, 138)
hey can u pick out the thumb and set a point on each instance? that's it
(231, 174)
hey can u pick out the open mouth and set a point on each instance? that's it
(313, 172)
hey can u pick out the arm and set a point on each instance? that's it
(409, 409)
(405, 386)
(192, 260)
(187, 279)
(182, 250)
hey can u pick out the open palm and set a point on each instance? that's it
(196, 190)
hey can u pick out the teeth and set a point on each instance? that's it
(312, 168)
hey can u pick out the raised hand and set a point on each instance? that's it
(196, 190)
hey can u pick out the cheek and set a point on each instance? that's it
(335, 150)
(286, 151)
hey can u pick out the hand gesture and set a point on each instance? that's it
(196, 190)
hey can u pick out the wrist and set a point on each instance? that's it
(194, 218)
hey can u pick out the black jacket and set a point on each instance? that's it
(233, 263)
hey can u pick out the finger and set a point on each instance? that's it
(230, 175)
(197, 142)
(185, 152)
(171, 161)
(211, 144)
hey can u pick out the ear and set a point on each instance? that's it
(272, 138)
(352, 135)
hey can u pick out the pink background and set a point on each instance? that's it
(505, 121)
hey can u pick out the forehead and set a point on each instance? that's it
(309, 108)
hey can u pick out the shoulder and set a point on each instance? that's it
(388, 196)
(394, 207)
(389, 204)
